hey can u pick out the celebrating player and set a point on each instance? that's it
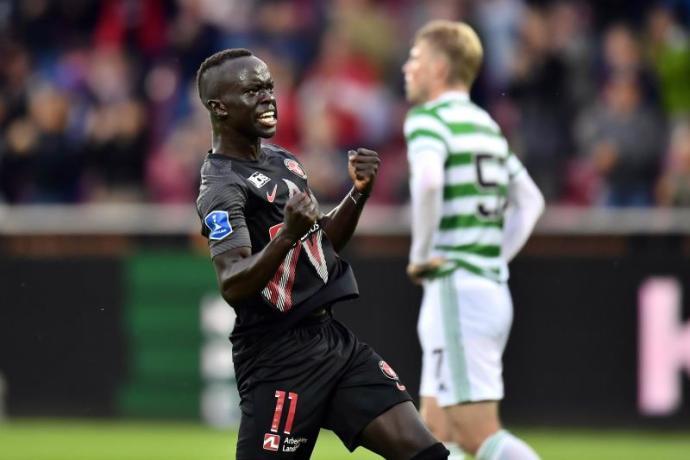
(473, 207)
(276, 259)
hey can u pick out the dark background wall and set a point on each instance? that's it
(572, 355)
(69, 344)
(61, 339)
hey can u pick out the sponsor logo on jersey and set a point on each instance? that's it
(218, 223)
(271, 442)
(387, 370)
(272, 196)
(274, 229)
(258, 180)
(295, 168)
(292, 444)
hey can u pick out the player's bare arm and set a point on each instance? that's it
(241, 274)
(340, 223)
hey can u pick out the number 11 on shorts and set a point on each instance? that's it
(278, 413)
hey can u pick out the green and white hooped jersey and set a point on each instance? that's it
(478, 168)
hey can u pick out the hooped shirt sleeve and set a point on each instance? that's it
(425, 134)
(222, 212)
(514, 165)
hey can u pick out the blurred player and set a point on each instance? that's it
(276, 259)
(473, 207)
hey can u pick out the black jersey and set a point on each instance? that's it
(241, 204)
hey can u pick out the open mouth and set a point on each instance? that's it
(268, 118)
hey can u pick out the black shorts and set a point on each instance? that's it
(313, 376)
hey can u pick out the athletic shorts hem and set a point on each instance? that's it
(353, 443)
(475, 399)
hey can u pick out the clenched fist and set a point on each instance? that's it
(363, 165)
(301, 211)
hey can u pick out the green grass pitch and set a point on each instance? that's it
(54, 439)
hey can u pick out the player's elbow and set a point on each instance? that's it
(431, 185)
(539, 203)
(427, 178)
(533, 209)
(230, 285)
(529, 198)
(233, 290)
(231, 275)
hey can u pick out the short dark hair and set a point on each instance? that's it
(216, 60)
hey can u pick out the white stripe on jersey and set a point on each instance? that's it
(479, 143)
(486, 236)
(467, 204)
(483, 262)
(487, 263)
(426, 122)
(467, 114)
(492, 172)
(469, 142)
(461, 174)
(423, 144)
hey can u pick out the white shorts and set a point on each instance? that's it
(463, 327)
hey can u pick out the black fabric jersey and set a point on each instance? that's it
(241, 204)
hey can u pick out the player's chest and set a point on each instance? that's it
(273, 183)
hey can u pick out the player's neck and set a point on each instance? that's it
(235, 145)
(440, 90)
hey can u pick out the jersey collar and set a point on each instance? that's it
(456, 95)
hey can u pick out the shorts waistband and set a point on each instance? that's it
(315, 318)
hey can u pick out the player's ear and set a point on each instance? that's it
(442, 67)
(217, 108)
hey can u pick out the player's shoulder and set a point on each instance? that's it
(281, 158)
(421, 111)
(219, 180)
(435, 115)
(475, 115)
(423, 120)
(277, 151)
(216, 167)
(463, 117)
(477, 109)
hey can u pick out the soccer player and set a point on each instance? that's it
(277, 263)
(473, 207)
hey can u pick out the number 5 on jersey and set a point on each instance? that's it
(487, 168)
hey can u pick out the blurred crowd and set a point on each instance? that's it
(98, 103)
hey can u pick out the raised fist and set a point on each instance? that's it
(301, 212)
(363, 165)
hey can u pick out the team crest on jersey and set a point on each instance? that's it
(218, 223)
(295, 168)
(387, 370)
(258, 180)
